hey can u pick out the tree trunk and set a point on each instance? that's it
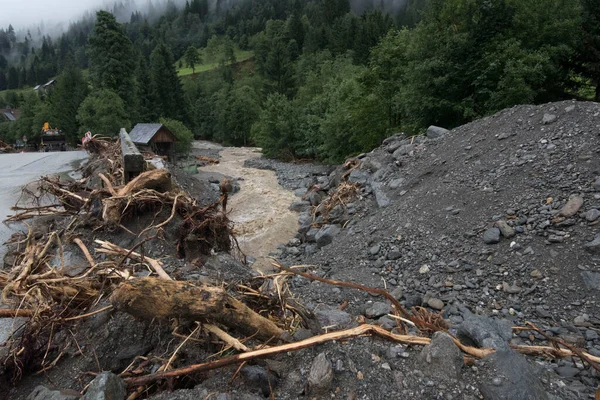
(150, 298)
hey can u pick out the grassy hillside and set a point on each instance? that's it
(210, 64)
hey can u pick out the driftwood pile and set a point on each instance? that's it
(262, 313)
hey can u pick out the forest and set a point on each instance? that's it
(322, 79)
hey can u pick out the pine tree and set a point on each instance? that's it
(166, 85)
(111, 61)
(146, 101)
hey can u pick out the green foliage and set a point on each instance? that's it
(276, 129)
(103, 113)
(184, 136)
(70, 91)
(111, 58)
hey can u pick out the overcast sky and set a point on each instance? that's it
(27, 13)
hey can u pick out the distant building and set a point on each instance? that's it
(9, 114)
(46, 87)
(154, 137)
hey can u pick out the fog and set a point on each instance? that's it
(24, 14)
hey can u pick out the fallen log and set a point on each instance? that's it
(157, 179)
(150, 298)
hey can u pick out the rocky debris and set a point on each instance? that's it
(435, 132)
(106, 386)
(441, 359)
(507, 375)
(43, 393)
(484, 332)
(326, 234)
(320, 376)
(492, 236)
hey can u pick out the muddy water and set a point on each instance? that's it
(260, 209)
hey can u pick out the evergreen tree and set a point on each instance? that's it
(166, 85)
(192, 58)
(111, 59)
(146, 102)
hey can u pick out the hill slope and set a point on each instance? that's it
(426, 206)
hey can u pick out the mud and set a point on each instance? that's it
(260, 210)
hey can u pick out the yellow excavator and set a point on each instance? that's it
(52, 139)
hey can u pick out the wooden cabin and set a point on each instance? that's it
(154, 137)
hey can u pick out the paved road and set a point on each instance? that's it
(19, 169)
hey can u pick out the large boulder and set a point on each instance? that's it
(435, 132)
(506, 375)
(484, 332)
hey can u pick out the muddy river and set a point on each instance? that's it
(260, 209)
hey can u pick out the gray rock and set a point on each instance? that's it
(567, 371)
(43, 393)
(326, 234)
(506, 230)
(311, 235)
(106, 386)
(436, 304)
(260, 378)
(374, 250)
(592, 215)
(397, 293)
(548, 119)
(593, 246)
(320, 376)
(378, 309)
(359, 176)
(485, 332)
(403, 150)
(381, 197)
(591, 279)
(300, 206)
(435, 132)
(332, 317)
(597, 185)
(507, 375)
(572, 206)
(393, 255)
(314, 198)
(441, 359)
(492, 236)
